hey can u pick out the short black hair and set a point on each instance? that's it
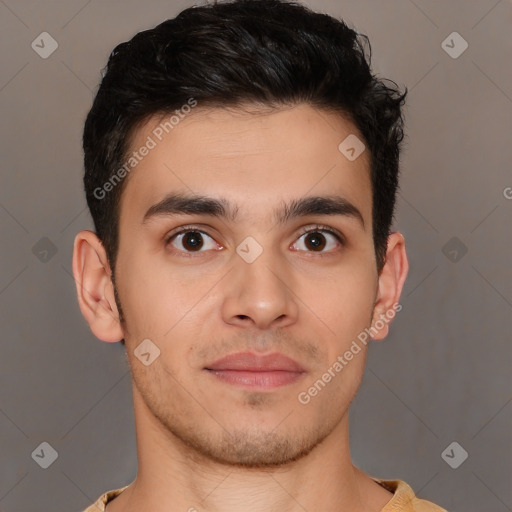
(272, 53)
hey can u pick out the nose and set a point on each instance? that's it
(260, 293)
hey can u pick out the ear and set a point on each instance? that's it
(94, 287)
(390, 284)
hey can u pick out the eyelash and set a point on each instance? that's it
(316, 228)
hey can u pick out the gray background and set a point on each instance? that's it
(442, 375)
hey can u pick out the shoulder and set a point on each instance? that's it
(404, 499)
(100, 504)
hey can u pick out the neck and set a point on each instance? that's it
(174, 477)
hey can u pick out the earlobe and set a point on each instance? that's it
(94, 287)
(390, 285)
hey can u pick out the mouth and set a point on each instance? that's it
(256, 372)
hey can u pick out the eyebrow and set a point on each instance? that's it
(185, 204)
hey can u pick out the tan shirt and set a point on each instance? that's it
(403, 500)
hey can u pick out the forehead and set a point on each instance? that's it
(254, 160)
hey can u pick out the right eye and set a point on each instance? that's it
(191, 240)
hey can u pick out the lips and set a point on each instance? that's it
(249, 362)
(256, 373)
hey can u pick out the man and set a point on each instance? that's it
(241, 166)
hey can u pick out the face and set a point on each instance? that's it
(203, 286)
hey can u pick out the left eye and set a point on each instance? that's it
(315, 240)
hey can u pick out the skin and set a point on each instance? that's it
(204, 444)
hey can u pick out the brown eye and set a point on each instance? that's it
(320, 238)
(190, 241)
(315, 241)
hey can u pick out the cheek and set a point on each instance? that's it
(344, 302)
(346, 307)
(160, 300)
